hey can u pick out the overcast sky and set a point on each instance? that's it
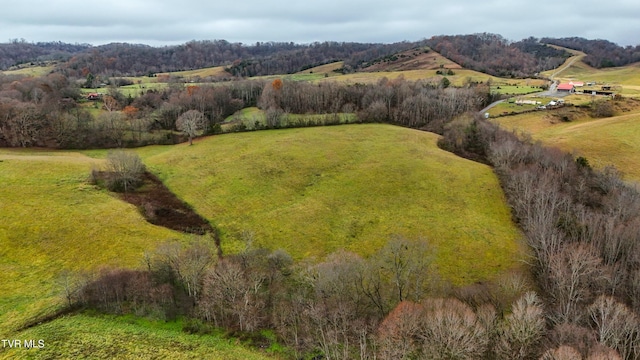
(166, 22)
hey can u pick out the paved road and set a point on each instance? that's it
(483, 111)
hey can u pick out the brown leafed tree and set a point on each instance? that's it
(398, 332)
(277, 84)
(110, 103)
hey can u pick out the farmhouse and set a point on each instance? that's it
(93, 96)
(567, 87)
(527, 102)
(576, 83)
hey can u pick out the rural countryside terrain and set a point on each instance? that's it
(459, 197)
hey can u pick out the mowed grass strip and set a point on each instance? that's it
(108, 337)
(607, 141)
(52, 220)
(313, 191)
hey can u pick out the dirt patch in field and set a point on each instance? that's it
(414, 59)
(160, 206)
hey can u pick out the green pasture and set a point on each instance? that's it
(85, 336)
(608, 141)
(625, 78)
(252, 115)
(515, 89)
(30, 71)
(624, 75)
(134, 90)
(312, 191)
(52, 220)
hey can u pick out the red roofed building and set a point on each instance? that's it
(566, 87)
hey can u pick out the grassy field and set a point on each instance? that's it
(107, 337)
(202, 73)
(133, 90)
(313, 191)
(460, 77)
(608, 141)
(324, 69)
(249, 116)
(30, 71)
(515, 89)
(626, 77)
(52, 220)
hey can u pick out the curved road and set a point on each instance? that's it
(553, 88)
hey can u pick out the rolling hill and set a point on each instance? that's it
(606, 141)
(312, 191)
(52, 221)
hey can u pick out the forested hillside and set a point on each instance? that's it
(18, 52)
(493, 54)
(600, 53)
(488, 53)
(242, 60)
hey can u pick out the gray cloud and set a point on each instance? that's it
(172, 22)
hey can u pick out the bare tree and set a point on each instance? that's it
(231, 296)
(520, 332)
(451, 330)
(617, 326)
(112, 125)
(126, 170)
(576, 272)
(406, 263)
(189, 264)
(71, 285)
(190, 123)
(561, 353)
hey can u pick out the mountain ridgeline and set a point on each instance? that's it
(490, 53)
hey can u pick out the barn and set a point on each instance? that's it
(567, 87)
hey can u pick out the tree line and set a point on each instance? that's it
(50, 112)
(583, 228)
(391, 305)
